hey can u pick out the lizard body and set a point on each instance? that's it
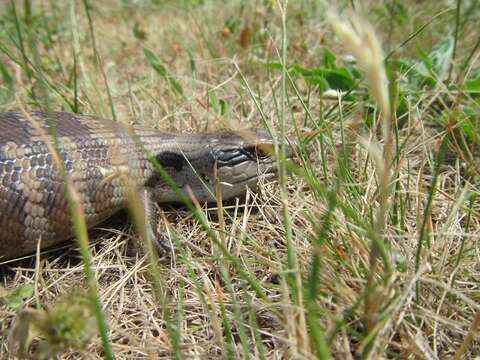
(33, 203)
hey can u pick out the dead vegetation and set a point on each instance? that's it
(348, 283)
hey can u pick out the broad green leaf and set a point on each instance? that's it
(433, 66)
(338, 78)
(155, 61)
(424, 72)
(15, 298)
(441, 56)
(473, 85)
(352, 69)
(329, 59)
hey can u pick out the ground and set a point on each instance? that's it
(369, 249)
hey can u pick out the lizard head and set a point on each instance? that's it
(230, 161)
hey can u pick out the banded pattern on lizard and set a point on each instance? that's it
(33, 204)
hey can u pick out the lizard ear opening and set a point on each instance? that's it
(172, 163)
(171, 159)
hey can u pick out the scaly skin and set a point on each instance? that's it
(33, 204)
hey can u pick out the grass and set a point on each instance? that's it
(367, 249)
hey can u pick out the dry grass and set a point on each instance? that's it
(421, 301)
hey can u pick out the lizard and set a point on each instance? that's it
(33, 201)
